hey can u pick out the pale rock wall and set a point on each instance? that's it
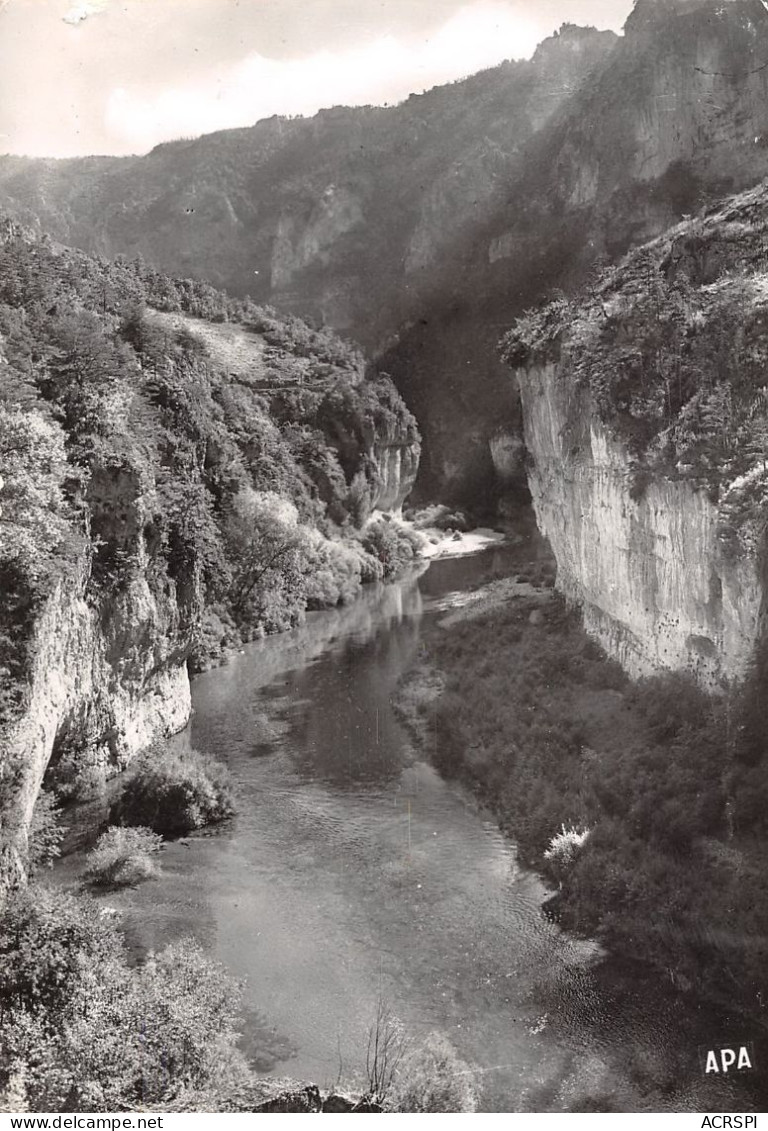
(116, 706)
(108, 672)
(397, 466)
(656, 586)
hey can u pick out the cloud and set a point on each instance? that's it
(81, 12)
(386, 69)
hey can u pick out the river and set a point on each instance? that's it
(352, 872)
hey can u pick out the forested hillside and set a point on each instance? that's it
(180, 472)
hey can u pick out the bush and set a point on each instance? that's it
(433, 1079)
(71, 774)
(393, 545)
(45, 833)
(334, 572)
(174, 792)
(439, 517)
(123, 857)
(47, 943)
(564, 849)
(81, 1029)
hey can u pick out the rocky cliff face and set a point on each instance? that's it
(397, 466)
(657, 586)
(646, 423)
(105, 682)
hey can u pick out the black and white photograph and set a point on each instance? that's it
(383, 559)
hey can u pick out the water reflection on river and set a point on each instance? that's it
(352, 870)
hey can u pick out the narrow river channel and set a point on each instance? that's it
(352, 871)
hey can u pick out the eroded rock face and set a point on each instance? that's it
(508, 455)
(108, 674)
(115, 706)
(307, 240)
(397, 466)
(657, 586)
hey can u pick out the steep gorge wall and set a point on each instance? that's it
(105, 681)
(657, 585)
(397, 465)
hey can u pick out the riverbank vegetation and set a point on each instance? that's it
(84, 1027)
(173, 792)
(432, 1078)
(123, 858)
(669, 785)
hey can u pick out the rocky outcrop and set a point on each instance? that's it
(303, 242)
(657, 585)
(646, 423)
(306, 1098)
(105, 682)
(397, 465)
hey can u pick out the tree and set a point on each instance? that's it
(385, 1052)
(265, 547)
(34, 465)
(88, 375)
(81, 1029)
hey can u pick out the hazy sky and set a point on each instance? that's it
(119, 76)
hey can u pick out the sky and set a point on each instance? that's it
(119, 76)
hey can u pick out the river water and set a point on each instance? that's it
(352, 872)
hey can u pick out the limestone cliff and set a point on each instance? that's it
(646, 423)
(657, 586)
(396, 468)
(104, 683)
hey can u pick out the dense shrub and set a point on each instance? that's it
(45, 833)
(334, 572)
(433, 1079)
(174, 791)
(72, 773)
(48, 942)
(670, 782)
(439, 517)
(123, 857)
(81, 1029)
(393, 545)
